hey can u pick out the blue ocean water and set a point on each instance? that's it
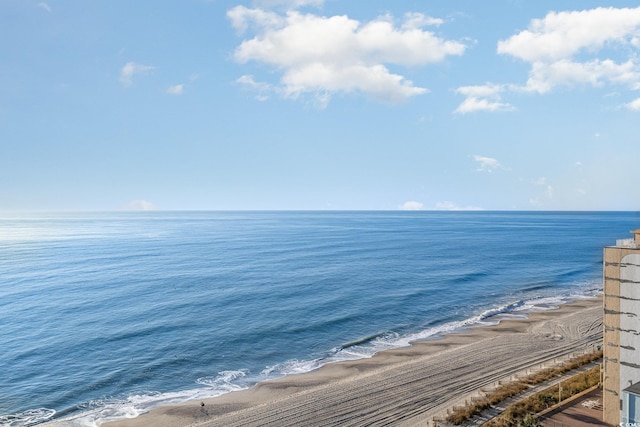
(105, 315)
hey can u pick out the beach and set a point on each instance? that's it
(408, 386)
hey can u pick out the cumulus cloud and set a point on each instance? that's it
(482, 98)
(322, 56)
(138, 205)
(130, 69)
(175, 89)
(561, 35)
(411, 206)
(565, 48)
(595, 47)
(473, 104)
(486, 164)
(543, 77)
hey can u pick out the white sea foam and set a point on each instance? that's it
(27, 418)
(97, 412)
(293, 366)
(224, 382)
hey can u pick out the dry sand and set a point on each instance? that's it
(406, 387)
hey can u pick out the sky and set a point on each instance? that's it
(319, 105)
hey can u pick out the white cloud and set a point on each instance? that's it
(563, 48)
(44, 6)
(138, 205)
(634, 105)
(451, 206)
(248, 80)
(482, 98)
(242, 17)
(563, 34)
(326, 55)
(543, 77)
(175, 89)
(262, 89)
(595, 47)
(486, 164)
(411, 206)
(472, 104)
(130, 69)
(328, 78)
(484, 91)
(414, 20)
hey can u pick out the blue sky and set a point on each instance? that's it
(319, 104)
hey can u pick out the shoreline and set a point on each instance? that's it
(404, 386)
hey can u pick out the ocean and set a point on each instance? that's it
(106, 315)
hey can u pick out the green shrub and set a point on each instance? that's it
(543, 401)
(520, 412)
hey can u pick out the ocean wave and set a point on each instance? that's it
(369, 346)
(292, 366)
(96, 412)
(27, 418)
(225, 381)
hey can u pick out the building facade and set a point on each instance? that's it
(622, 331)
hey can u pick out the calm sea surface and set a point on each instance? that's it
(104, 315)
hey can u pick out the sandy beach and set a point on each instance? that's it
(405, 387)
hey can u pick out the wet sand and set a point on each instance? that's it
(401, 387)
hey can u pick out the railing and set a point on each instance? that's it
(626, 243)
